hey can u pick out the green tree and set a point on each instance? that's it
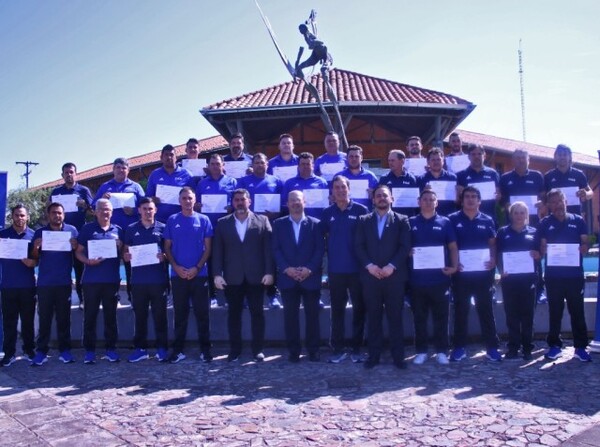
(33, 199)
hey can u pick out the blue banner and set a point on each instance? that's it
(3, 196)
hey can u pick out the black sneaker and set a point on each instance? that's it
(8, 360)
(206, 357)
(177, 357)
(512, 354)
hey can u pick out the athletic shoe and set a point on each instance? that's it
(420, 358)
(458, 354)
(177, 357)
(66, 357)
(232, 357)
(260, 357)
(162, 355)
(338, 357)
(111, 356)
(89, 358)
(512, 354)
(206, 357)
(214, 303)
(493, 355)
(39, 359)
(442, 358)
(357, 357)
(553, 353)
(138, 355)
(583, 355)
(7, 361)
(30, 355)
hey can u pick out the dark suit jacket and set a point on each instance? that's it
(392, 248)
(236, 260)
(308, 252)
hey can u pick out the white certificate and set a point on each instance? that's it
(102, 248)
(195, 166)
(530, 201)
(122, 199)
(474, 260)
(316, 198)
(405, 197)
(428, 258)
(563, 255)
(444, 190)
(487, 190)
(457, 163)
(570, 193)
(68, 201)
(267, 202)
(328, 170)
(13, 248)
(416, 166)
(517, 262)
(236, 169)
(56, 241)
(144, 254)
(168, 194)
(214, 203)
(359, 189)
(285, 172)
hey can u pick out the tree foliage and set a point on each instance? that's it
(34, 200)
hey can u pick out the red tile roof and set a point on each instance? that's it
(206, 145)
(348, 87)
(508, 145)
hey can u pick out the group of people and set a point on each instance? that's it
(429, 239)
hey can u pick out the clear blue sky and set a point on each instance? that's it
(87, 81)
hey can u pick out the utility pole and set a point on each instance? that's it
(522, 92)
(27, 170)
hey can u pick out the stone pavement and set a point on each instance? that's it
(276, 403)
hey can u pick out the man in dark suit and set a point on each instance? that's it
(243, 265)
(382, 246)
(298, 248)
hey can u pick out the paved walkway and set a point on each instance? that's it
(473, 403)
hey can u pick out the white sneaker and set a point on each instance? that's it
(420, 359)
(442, 358)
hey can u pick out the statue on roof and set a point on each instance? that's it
(319, 50)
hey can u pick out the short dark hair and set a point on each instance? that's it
(237, 135)
(433, 151)
(382, 186)
(341, 178)
(285, 135)
(470, 189)
(555, 192)
(354, 147)
(186, 189)
(259, 155)
(306, 155)
(413, 137)
(215, 155)
(54, 205)
(146, 199)
(428, 191)
(167, 148)
(68, 165)
(192, 141)
(472, 147)
(120, 161)
(19, 206)
(241, 191)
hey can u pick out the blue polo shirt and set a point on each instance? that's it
(54, 268)
(530, 184)
(340, 157)
(187, 234)
(433, 232)
(406, 180)
(568, 231)
(278, 162)
(445, 207)
(138, 234)
(473, 234)
(180, 177)
(128, 186)
(223, 185)
(362, 175)
(573, 177)
(13, 273)
(340, 227)
(471, 177)
(269, 184)
(508, 240)
(108, 270)
(75, 218)
(301, 184)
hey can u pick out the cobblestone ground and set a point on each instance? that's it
(276, 403)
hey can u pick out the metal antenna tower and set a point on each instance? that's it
(522, 92)
(27, 170)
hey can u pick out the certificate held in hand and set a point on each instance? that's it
(144, 254)
(102, 248)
